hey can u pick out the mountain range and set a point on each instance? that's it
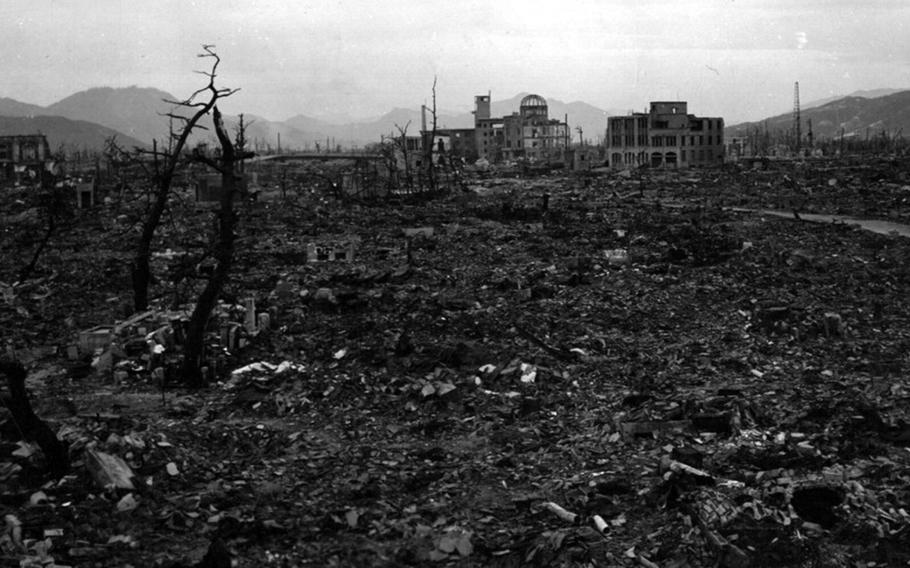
(853, 115)
(137, 116)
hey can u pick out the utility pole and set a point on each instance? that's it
(797, 129)
(809, 136)
(241, 143)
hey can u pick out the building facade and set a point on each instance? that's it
(527, 134)
(665, 137)
(23, 156)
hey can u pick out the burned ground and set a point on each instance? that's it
(634, 377)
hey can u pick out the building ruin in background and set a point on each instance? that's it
(529, 133)
(666, 136)
(23, 157)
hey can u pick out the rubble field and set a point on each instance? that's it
(633, 375)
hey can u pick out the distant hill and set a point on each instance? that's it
(134, 111)
(264, 133)
(867, 94)
(857, 116)
(70, 134)
(138, 113)
(593, 121)
(10, 107)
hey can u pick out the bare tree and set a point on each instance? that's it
(443, 162)
(394, 149)
(388, 149)
(165, 164)
(430, 164)
(403, 145)
(28, 424)
(53, 204)
(227, 164)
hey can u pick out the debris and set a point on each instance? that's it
(37, 498)
(13, 529)
(560, 512)
(98, 337)
(652, 428)
(127, 503)
(418, 232)
(617, 257)
(108, 470)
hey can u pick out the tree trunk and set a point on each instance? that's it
(52, 206)
(141, 269)
(164, 178)
(194, 347)
(30, 426)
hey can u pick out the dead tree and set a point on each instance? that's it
(227, 165)
(430, 164)
(165, 164)
(29, 426)
(388, 149)
(406, 157)
(53, 205)
(394, 150)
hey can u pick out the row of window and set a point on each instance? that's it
(662, 141)
(642, 157)
(27, 152)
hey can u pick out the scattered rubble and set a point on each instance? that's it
(624, 377)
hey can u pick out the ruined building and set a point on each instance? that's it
(666, 136)
(529, 133)
(23, 156)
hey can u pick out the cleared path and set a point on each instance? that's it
(874, 225)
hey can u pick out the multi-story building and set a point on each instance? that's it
(529, 133)
(666, 136)
(23, 155)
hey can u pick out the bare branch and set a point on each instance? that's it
(202, 158)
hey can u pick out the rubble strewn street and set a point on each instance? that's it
(648, 370)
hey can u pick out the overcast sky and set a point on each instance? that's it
(732, 58)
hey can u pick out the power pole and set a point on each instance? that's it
(797, 129)
(241, 143)
(809, 136)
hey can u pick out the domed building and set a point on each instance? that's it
(529, 133)
(533, 106)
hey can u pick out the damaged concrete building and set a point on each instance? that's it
(529, 133)
(23, 156)
(666, 136)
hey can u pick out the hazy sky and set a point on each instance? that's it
(732, 58)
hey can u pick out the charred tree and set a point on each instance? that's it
(27, 422)
(53, 205)
(166, 163)
(227, 165)
(429, 141)
(406, 157)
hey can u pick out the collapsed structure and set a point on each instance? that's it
(666, 136)
(23, 156)
(529, 133)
